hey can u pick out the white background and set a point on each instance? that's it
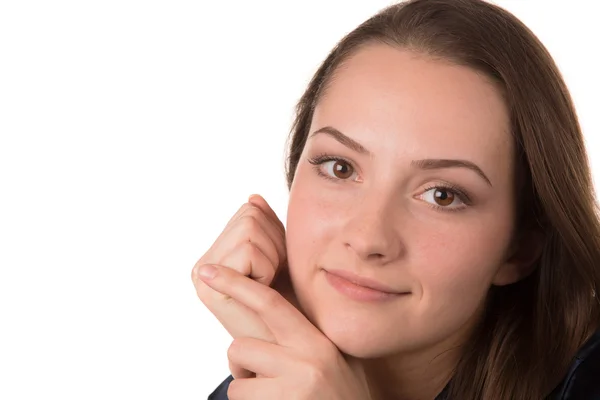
(130, 131)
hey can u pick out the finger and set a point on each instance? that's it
(261, 203)
(287, 324)
(254, 217)
(239, 212)
(268, 212)
(247, 228)
(236, 318)
(218, 241)
(258, 203)
(248, 259)
(256, 389)
(263, 358)
(238, 372)
(273, 228)
(248, 217)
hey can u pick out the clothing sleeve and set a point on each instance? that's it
(220, 393)
(584, 384)
(583, 380)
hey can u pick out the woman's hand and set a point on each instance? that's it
(253, 244)
(301, 364)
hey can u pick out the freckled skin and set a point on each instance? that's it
(381, 223)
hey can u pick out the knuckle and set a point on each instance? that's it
(250, 250)
(315, 376)
(249, 253)
(234, 349)
(269, 302)
(269, 275)
(245, 208)
(252, 210)
(224, 298)
(250, 223)
(211, 299)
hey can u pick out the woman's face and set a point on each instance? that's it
(420, 200)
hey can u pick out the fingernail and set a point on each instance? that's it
(207, 271)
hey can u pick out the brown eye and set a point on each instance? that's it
(443, 197)
(334, 168)
(342, 170)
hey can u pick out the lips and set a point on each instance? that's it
(365, 282)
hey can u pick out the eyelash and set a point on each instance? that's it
(462, 195)
(323, 158)
(455, 190)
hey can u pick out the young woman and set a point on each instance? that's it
(442, 239)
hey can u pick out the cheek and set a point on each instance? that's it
(313, 213)
(457, 263)
(306, 224)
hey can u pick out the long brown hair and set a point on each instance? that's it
(533, 328)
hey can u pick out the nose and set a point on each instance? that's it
(372, 231)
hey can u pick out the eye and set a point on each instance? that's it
(446, 198)
(338, 168)
(332, 167)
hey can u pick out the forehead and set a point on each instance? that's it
(386, 98)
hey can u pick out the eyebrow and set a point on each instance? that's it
(444, 163)
(425, 164)
(343, 139)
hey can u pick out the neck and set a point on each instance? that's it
(419, 374)
(411, 377)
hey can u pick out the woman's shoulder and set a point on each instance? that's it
(582, 382)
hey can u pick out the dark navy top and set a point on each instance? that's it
(582, 382)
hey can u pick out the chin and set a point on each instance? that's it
(360, 340)
(360, 330)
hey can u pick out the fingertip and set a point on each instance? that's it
(206, 271)
(260, 202)
(254, 198)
